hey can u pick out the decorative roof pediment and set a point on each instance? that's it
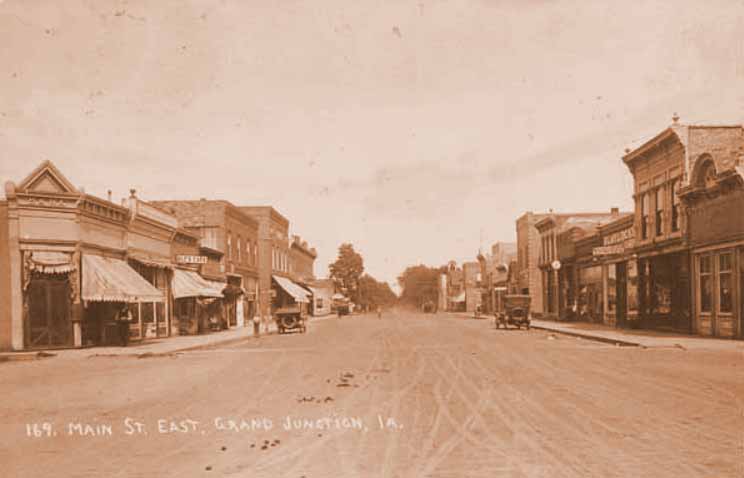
(46, 178)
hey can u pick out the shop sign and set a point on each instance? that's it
(615, 243)
(191, 259)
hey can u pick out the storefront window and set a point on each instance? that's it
(725, 282)
(611, 288)
(148, 319)
(706, 284)
(591, 304)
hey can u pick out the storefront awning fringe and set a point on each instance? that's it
(51, 262)
(298, 293)
(191, 284)
(151, 261)
(113, 280)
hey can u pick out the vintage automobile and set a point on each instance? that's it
(512, 310)
(341, 305)
(291, 318)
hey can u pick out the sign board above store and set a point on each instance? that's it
(191, 259)
(616, 243)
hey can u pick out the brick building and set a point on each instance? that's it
(229, 240)
(273, 257)
(528, 277)
(302, 260)
(678, 159)
(556, 278)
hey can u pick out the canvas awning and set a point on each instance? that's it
(113, 280)
(51, 262)
(191, 284)
(151, 261)
(217, 285)
(298, 293)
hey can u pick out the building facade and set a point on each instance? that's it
(273, 257)
(661, 168)
(302, 260)
(528, 277)
(70, 263)
(229, 241)
(471, 281)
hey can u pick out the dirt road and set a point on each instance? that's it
(408, 395)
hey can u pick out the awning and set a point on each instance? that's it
(191, 284)
(151, 261)
(459, 298)
(50, 262)
(113, 280)
(298, 293)
(217, 286)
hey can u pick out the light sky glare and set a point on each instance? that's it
(410, 129)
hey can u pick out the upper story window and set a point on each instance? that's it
(659, 211)
(209, 237)
(240, 251)
(255, 253)
(644, 216)
(229, 246)
(675, 205)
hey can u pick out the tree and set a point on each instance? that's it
(374, 293)
(419, 284)
(347, 269)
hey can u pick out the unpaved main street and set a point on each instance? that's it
(408, 395)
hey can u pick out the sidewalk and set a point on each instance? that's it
(639, 338)
(154, 347)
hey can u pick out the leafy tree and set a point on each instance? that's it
(374, 293)
(347, 269)
(419, 284)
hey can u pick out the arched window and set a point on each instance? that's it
(704, 174)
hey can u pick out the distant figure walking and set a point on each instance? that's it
(379, 312)
(256, 325)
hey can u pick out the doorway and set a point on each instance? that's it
(621, 282)
(48, 323)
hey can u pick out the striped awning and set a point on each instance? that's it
(191, 284)
(51, 262)
(113, 280)
(298, 293)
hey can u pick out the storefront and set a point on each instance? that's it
(49, 288)
(619, 273)
(713, 204)
(195, 302)
(110, 285)
(156, 318)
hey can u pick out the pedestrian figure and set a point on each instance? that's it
(123, 317)
(256, 325)
(379, 312)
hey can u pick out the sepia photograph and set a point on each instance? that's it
(371, 239)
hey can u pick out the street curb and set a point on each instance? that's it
(25, 356)
(607, 340)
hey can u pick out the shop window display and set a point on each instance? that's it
(611, 288)
(725, 283)
(706, 284)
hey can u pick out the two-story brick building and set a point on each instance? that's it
(229, 240)
(528, 277)
(302, 260)
(662, 167)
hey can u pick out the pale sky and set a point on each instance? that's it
(405, 128)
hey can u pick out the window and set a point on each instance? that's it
(248, 255)
(644, 216)
(675, 205)
(319, 303)
(611, 287)
(255, 253)
(706, 284)
(725, 283)
(229, 246)
(659, 210)
(240, 251)
(209, 237)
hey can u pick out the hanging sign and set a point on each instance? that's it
(191, 259)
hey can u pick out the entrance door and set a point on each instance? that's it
(622, 293)
(49, 322)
